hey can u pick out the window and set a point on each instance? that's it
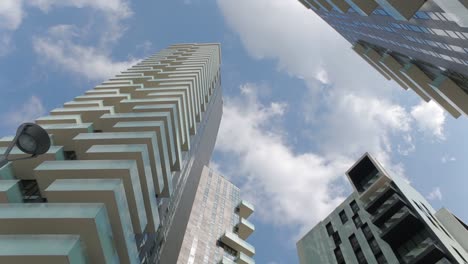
(343, 217)
(367, 231)
(330, 229)
(381, 258)
(336, 238)
(354, 242)
(357, 221)
(339, 256)
(354, 206)
(360, 257)
(374, 246)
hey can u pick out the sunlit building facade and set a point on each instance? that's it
(120, 179)
(420, 44)
(383, 221)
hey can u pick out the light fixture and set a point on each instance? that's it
(31, 139)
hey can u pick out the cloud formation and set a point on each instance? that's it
(27, 112)
(430, 119)
(349, 107)
(59, 48)
(435, 194)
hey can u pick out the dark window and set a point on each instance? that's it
(329, 229)
(354, 242)
(367, 231)
(374, 246)
(336, 238)
(354, 207)
(357, 221)
(381, 258)
(360, 257)
(343, 217)
(97, 131)
(70, 155)
(339, 256)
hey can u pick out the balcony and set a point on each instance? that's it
(426, 252)
(74, 104)
(378, 197)
(244, 259)
(387, 209)
(60, 119)
(10, 192)
(401, 9)
(400, 227)
(339, 5)
(245, 209)
(23, 169)
(451, 92)
(420, 79)
(64, 133)
(109, 192)
(125, 170)
(86, 140)
(42, 249)
(245, 228)
(236, 243)
(363, 7)
(226, 260)
(89, 221)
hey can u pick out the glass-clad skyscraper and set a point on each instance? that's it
(420, 44)
(384, 220)
(119, 182)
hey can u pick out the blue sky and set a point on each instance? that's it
(300, 106)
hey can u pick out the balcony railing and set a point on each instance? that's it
(235, 242)
(400, 227)
(387, 209)
(425, 252)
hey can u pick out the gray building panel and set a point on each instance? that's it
(396, 225)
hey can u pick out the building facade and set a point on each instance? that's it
(420, 44)
(119, 181)
(218, 225)
(384, 220)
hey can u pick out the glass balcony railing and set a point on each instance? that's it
(245, 209)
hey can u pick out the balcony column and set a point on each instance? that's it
(451, 92)
(361, 50)
(420, 79)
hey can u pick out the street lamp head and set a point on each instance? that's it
(32, 139)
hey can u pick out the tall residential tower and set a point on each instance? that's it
(420, 44)
(384, 221)
(119, 182)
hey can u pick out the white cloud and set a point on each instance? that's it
(93, 63)
(288, 188)
(27, 112)
(11, 14)
(114, 12)
(430, 119)
(447, 158)
(436, 194)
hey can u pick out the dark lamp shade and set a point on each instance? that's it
(33, 140)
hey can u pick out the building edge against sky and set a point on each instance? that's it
(420, 44)
(120, 179)
(384, 220)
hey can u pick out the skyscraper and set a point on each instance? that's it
(384, 220)
(120, 180)
(420, 44)
(218, 225)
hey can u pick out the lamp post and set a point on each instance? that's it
(31, 139)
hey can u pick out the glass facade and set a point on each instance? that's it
(432, 35)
